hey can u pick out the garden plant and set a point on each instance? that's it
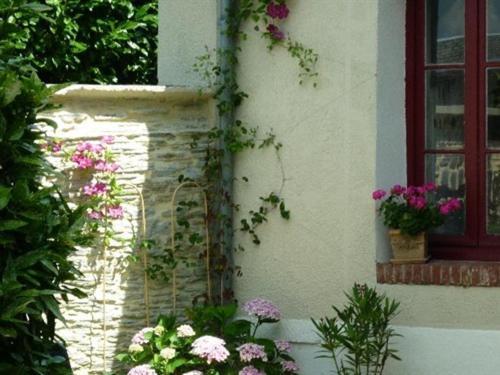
(212, 342)
(359, 339)
(38, 228)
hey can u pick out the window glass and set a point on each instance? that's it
(445, 42)
(447, 171)
(444, 109)
(493, 40)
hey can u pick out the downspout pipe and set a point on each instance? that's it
(226, 43)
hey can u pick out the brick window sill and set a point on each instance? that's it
(441, 272)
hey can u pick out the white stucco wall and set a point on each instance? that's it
(341, 141)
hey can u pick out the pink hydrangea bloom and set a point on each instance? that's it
(378, 194)
(279, 11)
(283, 346)
(250, 351)
(275, 32)
(139, 336)
(142, 370)
(185, 330)
(262, 309)
(108, 139)
(250, 370)
(115, 212)
(210, 348)
(56, 146)
(289, 367)
(95, 215)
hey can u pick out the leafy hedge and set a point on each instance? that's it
(91, 41)
(38, 230)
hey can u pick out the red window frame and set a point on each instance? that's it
(475, 244)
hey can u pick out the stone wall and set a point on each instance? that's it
(153, 128)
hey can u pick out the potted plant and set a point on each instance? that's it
(409, 213)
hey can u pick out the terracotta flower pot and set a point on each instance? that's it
(408, 249)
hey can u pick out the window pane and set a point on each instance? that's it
(448, 172)
(493, 30)
(445, 21)
(493, 195)
(493, 110)
(444, 109)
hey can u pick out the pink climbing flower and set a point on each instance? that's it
(103, 166)
(108, 139)
(378, 194)
(283, 346)
(262, 309)
(279, 11)
(250, 351)
(98, 188)
(275, 32)
(139, 337)
(250, 370)
(81, 161)
(210, 348)
(115, 212)
(289, 367)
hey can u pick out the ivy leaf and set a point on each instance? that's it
(4, 196)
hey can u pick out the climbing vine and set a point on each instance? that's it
(218, 69)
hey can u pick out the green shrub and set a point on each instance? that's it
(91, 41)
(359, 338)
(38, 231)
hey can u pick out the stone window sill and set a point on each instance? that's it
(441, 272)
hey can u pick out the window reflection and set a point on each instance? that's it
(448, 173)
(445, 21)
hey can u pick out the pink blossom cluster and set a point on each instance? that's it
(283, 346)
(289, 367)
(139, 337)
(275, 32)
(142, 370)
(99, 188)
(262, 309)
(251, 351)
(250, 370)
(113, 212)
(210, 348)
(449, 206)
(53, 146)
(415, 196)
(90, 155)
(277, 10)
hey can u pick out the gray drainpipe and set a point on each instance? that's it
(226, 42)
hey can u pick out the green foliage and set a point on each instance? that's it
(408, 219)
(359, 339)
(38, 230)
(92, 41)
